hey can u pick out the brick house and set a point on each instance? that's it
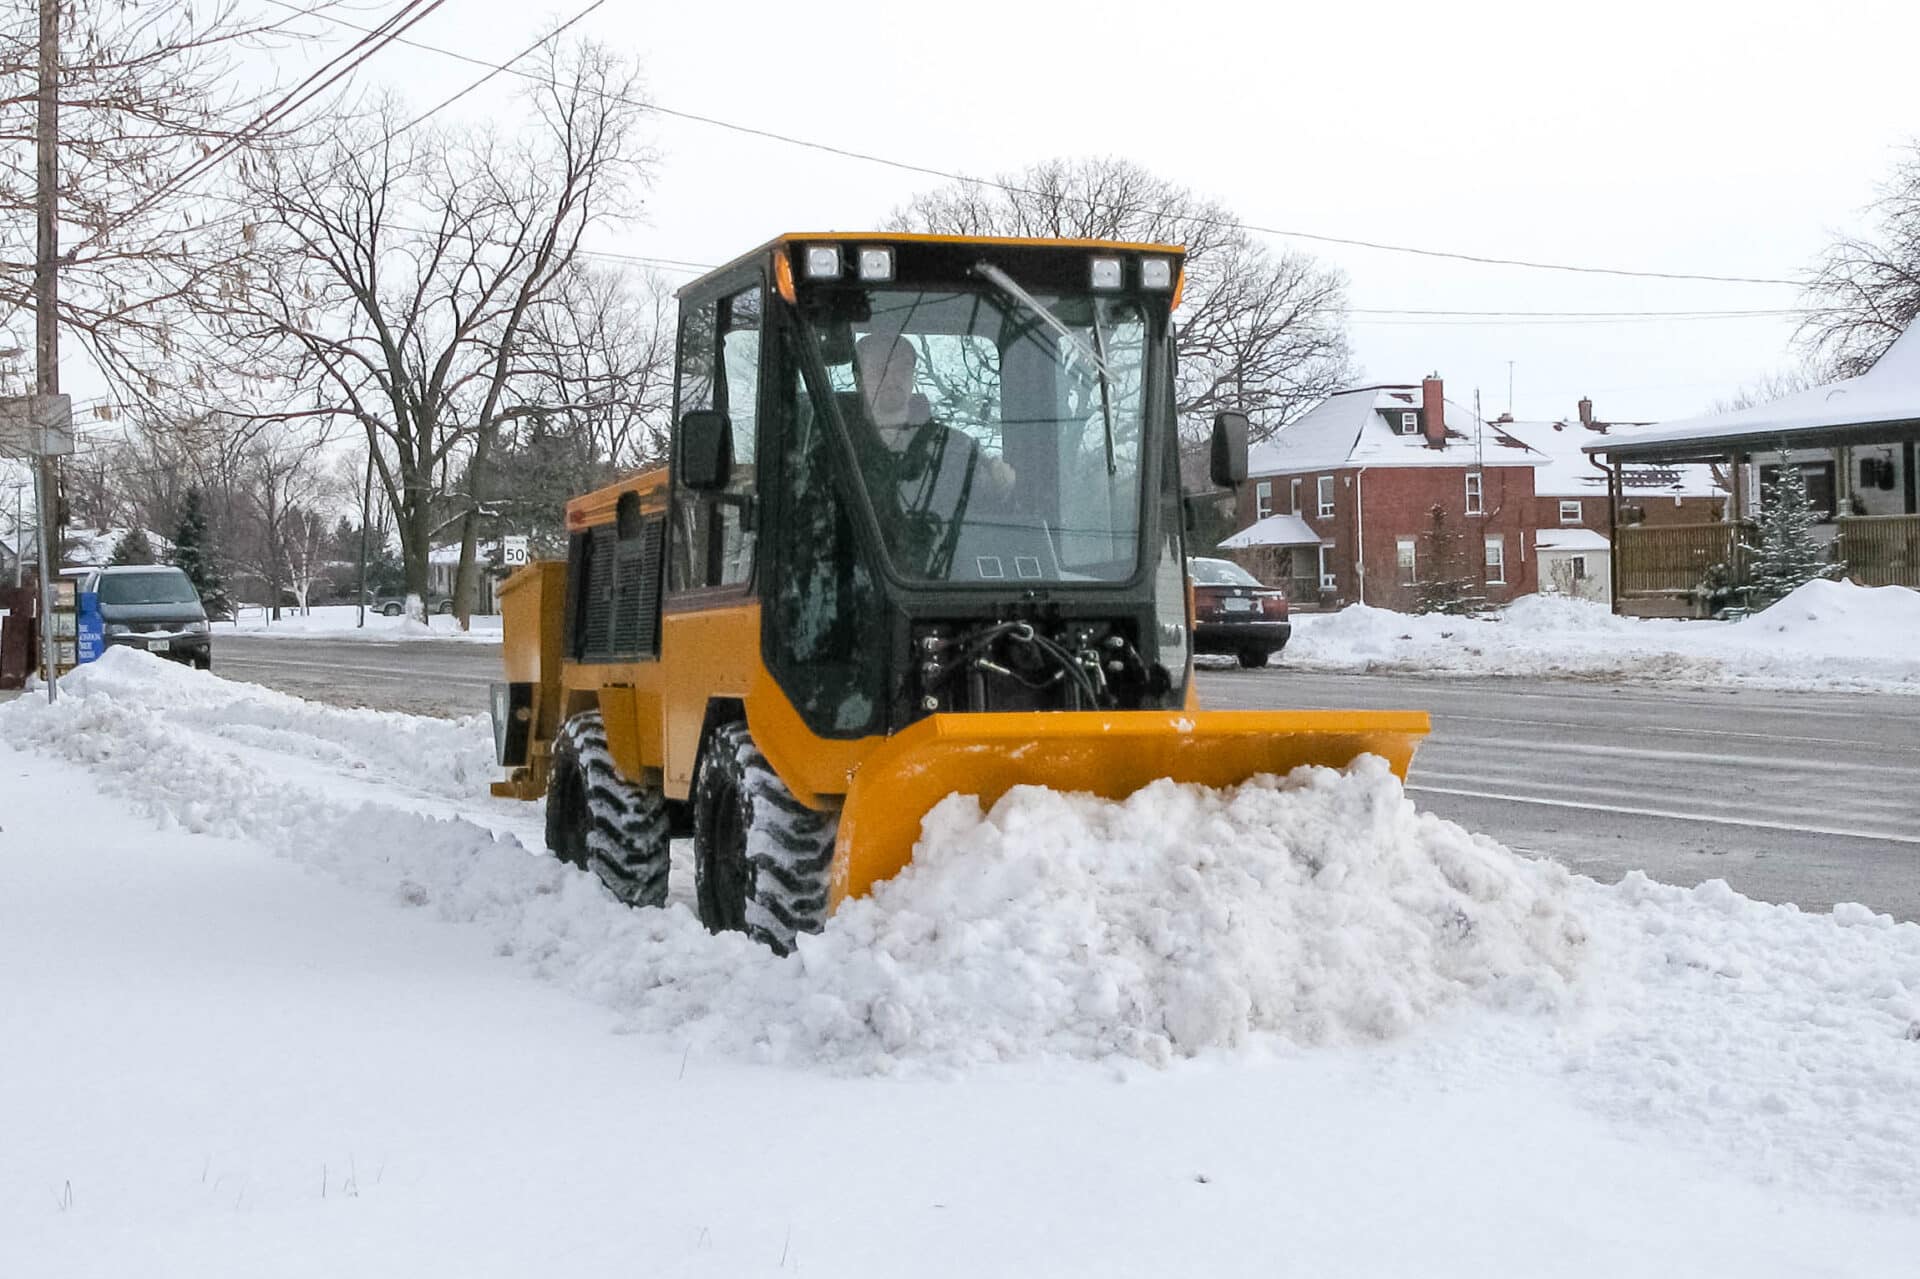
(1339, 505)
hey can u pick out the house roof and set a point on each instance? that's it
(1881, 404)
(1571, 539)
(91, 548)
(1568, 471)
(1275, 530)
(1351, 429)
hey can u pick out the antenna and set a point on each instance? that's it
(1509, 388)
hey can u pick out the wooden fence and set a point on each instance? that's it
(1676, 560)
(1880, 550)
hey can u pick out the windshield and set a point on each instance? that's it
(987, 442)
(1220, 573)
(162, 586)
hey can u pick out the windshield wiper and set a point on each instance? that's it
(1005, 283)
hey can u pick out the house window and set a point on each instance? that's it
(1326, 496)
(1326, 566)
(1570, 512)
(1263, 499)
(1579, 568)
(1496, 560)
(1475, 506)
(1409, 423)
(1293, 497)
(1409, 560)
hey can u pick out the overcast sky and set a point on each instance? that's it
(1677, 136)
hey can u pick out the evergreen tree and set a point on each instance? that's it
(133, 548)
(1788, 556)
(193, 554)
(1444, 586)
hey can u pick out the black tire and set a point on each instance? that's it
(392, 609)
(1252, 658)
(445, 609)
(761, 858)
(203, 663)
(599, 821)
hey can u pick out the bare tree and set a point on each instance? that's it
(285, 488)
(1764, 390)
(152, 107)
(1260, 332)
(1866, 289)
(398, 272)
(602, 356)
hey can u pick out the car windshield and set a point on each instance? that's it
(1220, 573)
(162, 586)
(992, 447)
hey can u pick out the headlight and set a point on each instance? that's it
(876, 264)
(114, 628)
(1106, 273)
(1156, 273)
(198, 628)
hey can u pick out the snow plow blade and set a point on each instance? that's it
(1111, 755)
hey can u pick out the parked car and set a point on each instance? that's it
(1233, 612)
(154, 607)
(395, 605)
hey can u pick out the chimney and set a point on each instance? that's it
(1433, 411)
(1586, 412)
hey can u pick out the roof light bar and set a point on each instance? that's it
(823, 262)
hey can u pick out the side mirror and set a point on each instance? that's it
(705, 460)
(1229, 449)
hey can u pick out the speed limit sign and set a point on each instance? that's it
(513, 551)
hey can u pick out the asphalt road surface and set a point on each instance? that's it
(1801, 797)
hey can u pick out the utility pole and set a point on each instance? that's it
(366, 507)
(46, 300)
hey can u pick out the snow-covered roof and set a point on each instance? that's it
(1568, 471)
(1571, 539)
(1885, 396)
(1275, 530)
(91, 548)
(1352, 428)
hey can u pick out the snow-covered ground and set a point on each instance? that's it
(1826, 635)
(340, 621)
(287, 994)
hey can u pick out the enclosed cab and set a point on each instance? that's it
(921, 532)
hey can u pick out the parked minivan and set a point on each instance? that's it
(153, 606)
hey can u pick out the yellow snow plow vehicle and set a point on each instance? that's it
(921, 532)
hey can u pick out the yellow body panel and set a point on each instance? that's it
(1112, 754)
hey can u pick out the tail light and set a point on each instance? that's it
(1273, 605)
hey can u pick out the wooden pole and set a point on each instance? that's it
(46, 301)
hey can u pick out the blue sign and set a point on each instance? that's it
(90, 632)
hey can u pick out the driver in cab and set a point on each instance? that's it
(937, 469)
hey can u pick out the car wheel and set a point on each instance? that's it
(761, 858)
(599, 821)
(392, 609)
(204, 662)
(445, 609)
(1252, 658)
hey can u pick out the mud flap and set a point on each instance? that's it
(1111, 755)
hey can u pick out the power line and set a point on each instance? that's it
(1012, 189)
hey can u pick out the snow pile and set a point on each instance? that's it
(1316, 910)
(1320, 908)
(451, 757)
(1832, 635)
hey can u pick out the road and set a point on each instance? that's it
(1801, 797)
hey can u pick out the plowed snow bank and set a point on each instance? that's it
(1319, 908)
